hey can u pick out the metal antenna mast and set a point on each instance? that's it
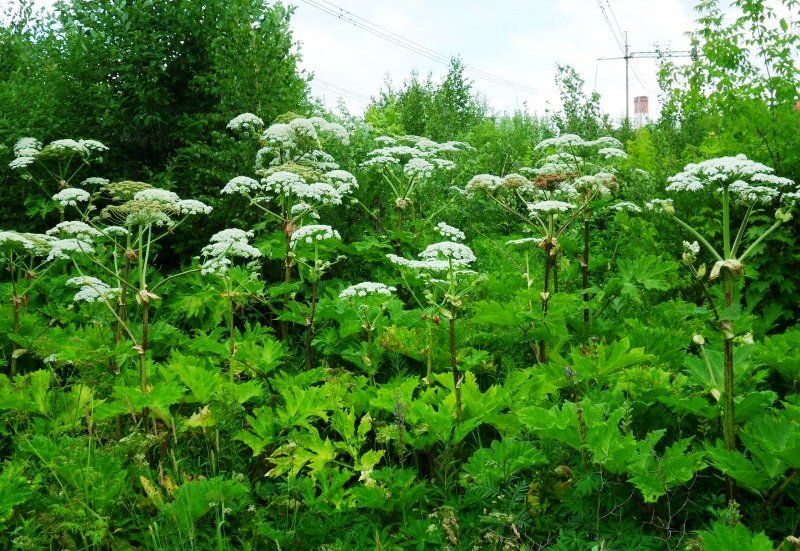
(628, 55)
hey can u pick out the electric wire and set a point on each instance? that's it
(415, 47)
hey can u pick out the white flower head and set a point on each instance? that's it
(67, 146)
(64, 249)
(92, 289)
(93, 145)
(625, 206)
(242, 184)
(192, 206)
(380, 162)
(692, 248)
(27, 147)
(21, 162)
(71, 197)
(313, 233)
(483, 182)
(95, 181)
(525, 241)
(280, 135)
(612, 153)
(385, 141)
(14, 240)
(158, 195)
(74, 228)
(319, 192)
(719, 173)
(564, 140)
(303, 129)
(449, 232)
(418, 168)
(457, 253)
(660, 205)
(550, 207)
(366, 289)
(225, 246)
(244, 122)
(341, 180)
(336, 131)
(282, 182)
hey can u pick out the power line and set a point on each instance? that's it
(622, 35)
(415, 47)
(340, 88)
(340, 94)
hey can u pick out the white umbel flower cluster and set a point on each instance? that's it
(625, 206)
(341, 180)
(244, 122)
(243, 185)
(65, 249)
(721, 172)
(483, 183)
(224, 247)
(92, 289)
(612, 153)
(95, 181)
(74, 228)
(157, 194)
(692, 248)
(573, 140)
(449, 232)
(32, 244)
(418, 168)
(71, 197)
(313, 233)
(457, 253)
(550, 207)
(437, 258)
(27, 147)
(365, 289)
(192, 206)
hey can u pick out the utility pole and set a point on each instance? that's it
(628, 55)
(627, 87)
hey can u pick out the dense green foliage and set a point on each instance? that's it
(428, 328)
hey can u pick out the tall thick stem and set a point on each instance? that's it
(728, 426)
(231, 339)
(548, 246)
(123, 299)
(310, 326)
(16, 302)
(143, 345)
(585, 268)
(454, 366)
(287, 271)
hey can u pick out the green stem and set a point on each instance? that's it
(740, 233)
(697, 236)
(726, 223)
(728, 426)
(761, 238)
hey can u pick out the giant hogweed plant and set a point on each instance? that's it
(118, 245)
(444, 269)
(297, 177)
(548, 199)
(740, 185)
(406, 164)
(56, 166)
(590, 166)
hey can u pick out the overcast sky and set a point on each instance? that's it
(516, 40)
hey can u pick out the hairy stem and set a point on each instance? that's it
(728, 427)
(454, 365)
